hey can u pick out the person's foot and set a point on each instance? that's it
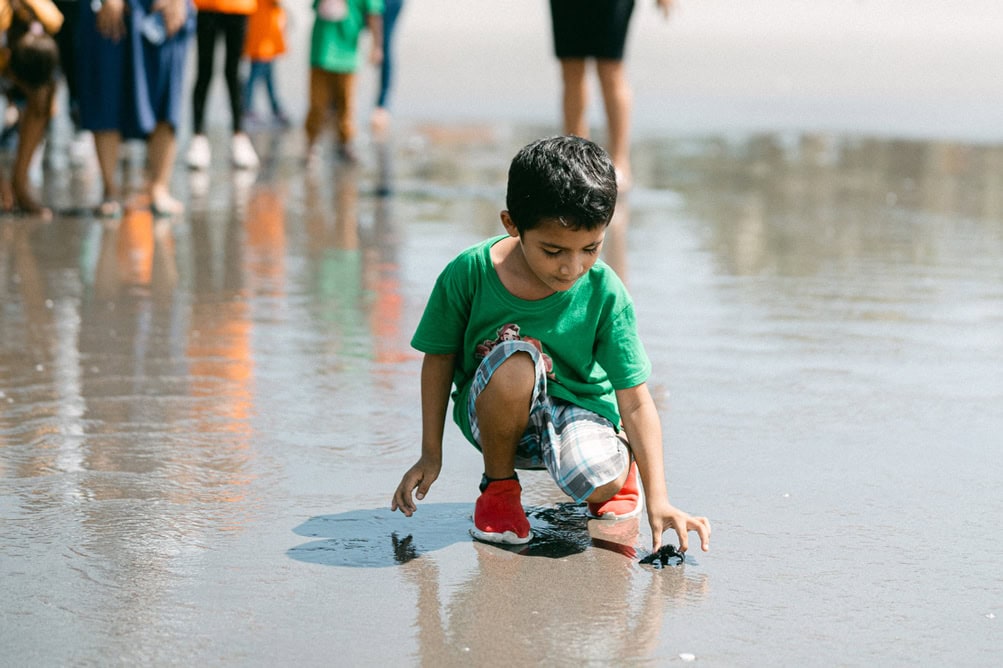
(282, 120)
(199, 153)
(625, 503)
(242, 152)
(108, 208)
(379, 122)
(347, 154)
(27, 205)
(499, 516)
(163, 205)
(314, 159)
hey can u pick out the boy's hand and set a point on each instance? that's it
(665, 6)
(669, 517)
(420, 476)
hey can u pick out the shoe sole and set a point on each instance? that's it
(504, 538)
(613, 517)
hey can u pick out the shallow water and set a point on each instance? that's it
(202, 419)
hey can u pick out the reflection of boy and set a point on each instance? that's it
(28, 61)
(545, 276)
(334, 58)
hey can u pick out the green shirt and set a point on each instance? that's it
(588, 333)
(334, 44)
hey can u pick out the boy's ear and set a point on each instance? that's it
(510, 227)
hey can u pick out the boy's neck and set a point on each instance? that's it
(513, 272)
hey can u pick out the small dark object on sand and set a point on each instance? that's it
(661, 558)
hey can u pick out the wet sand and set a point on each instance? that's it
(202, 419)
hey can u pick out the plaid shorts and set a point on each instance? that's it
(581, 449)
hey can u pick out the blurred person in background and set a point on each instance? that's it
(334, 58)
(131, 56)
(380, 119)
(229, 19)
(29, 58)
(596, 30)
(265, 42)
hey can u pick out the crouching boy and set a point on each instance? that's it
(539, 338)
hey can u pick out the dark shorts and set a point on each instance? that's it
(590, 28)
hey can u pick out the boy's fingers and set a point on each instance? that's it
(402, 499)
(424, 484)
(703, 529)
(684, 542)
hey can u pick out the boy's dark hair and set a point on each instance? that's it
(569, 179)
(34, 59)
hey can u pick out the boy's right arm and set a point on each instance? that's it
(436, 383)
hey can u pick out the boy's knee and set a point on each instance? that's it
(514, 378)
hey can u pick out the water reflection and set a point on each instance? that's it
(608, 609)
(793, 205)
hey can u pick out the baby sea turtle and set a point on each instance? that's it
(661, 558)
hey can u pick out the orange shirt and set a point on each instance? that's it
(266, 31)
(227, 6)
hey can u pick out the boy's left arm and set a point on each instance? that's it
(644, 434)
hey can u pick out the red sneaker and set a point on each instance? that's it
(625, 503)
(498, 514)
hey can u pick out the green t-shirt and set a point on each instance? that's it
(588, 333)
(334, 42)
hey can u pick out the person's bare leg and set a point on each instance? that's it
(617, 99)
(503, 413)
(34, 121)
(575, 96)
(106, 146)
(161, 150)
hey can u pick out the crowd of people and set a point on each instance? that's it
(123, 63)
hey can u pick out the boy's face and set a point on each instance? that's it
(556, 255)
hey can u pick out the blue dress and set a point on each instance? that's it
(130, 85)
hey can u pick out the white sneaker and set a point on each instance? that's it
(242, 152)
(199, 154)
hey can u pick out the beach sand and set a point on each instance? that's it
(202, 419)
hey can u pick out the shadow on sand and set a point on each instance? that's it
(378, 538)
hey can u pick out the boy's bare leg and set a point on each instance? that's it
(617, 100)
(161, 148)
(575, 96)
(503, 413)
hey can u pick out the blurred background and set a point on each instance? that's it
(892, 67)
